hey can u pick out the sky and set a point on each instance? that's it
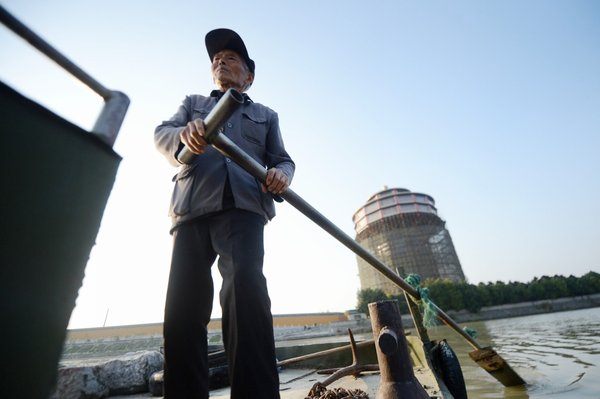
(490, 107)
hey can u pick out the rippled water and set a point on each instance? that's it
(558, 354)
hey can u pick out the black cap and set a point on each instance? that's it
(226, 39)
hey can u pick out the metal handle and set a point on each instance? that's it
(116, 103)
(229, 102)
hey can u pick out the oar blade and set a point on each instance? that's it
(493, 363)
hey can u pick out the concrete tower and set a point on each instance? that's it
(403, 230)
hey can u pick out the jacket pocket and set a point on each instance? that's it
(254, 128)
(182, 191)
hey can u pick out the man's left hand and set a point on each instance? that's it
(276, 182)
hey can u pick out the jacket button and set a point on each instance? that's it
(229, 124)
(227, 160)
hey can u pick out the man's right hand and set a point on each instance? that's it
(193, 136)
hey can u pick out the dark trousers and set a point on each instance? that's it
(236, 236)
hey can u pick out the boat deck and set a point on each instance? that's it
(297, 379)
(296, 384)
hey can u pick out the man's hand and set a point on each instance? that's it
(276, 182)
(193, 136)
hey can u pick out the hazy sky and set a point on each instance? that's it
(490, 107)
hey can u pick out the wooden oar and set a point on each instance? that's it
(486, 357)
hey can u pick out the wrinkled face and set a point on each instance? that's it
(230, 71)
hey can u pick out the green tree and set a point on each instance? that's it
(497, 293)
(590, 283)
(471, 298)
(449, 295)
(367, 296)
(574, 286)
(446, 293)
(484, 294)
(439, 293)
(402, 301)
(515, 292)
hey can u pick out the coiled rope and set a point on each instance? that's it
(337, 393)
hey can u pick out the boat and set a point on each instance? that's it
(45, 270)
(395, 363)
(57, 178)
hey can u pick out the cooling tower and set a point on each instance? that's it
(404, 231)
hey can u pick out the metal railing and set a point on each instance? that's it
(116, 103)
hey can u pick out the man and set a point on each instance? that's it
(218, 209)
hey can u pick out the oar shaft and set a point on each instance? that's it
(297, 202)
(228, 148)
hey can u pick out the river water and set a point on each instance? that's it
(558, 354)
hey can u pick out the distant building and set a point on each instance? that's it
(155, 329)
(403, 230)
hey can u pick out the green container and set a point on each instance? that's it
(56, 180)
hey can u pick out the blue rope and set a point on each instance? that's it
(470, 332)
(414, 280)
(429, 309)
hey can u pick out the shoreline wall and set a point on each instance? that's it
(486, 313)
(107, 346)
(527, 308)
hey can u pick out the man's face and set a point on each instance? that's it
(230, 71)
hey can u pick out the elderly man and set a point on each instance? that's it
(218, 209)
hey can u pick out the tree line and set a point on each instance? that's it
(449, 295)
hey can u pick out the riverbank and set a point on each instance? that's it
(78, 350)
(527, 308)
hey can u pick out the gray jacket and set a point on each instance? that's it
(199, 187)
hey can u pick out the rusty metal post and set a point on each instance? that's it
(397, 377)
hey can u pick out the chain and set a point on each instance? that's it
(336, 393)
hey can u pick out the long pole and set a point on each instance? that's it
(223, 144)
(227, 147)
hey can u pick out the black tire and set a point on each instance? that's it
(155, 384)
(447, 366)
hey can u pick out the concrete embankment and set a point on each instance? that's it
(527, 308)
